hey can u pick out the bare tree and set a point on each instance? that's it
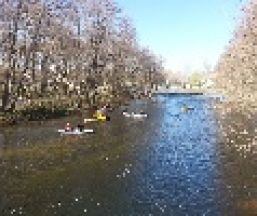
(236, 69)
(69, 48)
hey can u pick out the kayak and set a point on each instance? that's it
(90, 120)
(126, 114)
(135, 115)
(100, 116)
(75, 132)
(139, 115)
(95, 119)
(186, 108)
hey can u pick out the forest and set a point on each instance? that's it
(236, 71)
(71, 53)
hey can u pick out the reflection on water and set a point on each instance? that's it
(173, 163)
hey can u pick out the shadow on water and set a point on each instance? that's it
(239, 172)
(173, 163)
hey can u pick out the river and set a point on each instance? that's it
(173, 163)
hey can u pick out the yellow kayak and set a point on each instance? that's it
(100, 116)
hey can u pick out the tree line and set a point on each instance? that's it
(54, 48)
(236, 71)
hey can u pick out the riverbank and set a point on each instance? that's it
(41, 110)
(10, 118)
(232, 105)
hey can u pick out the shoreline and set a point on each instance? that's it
(43, 113)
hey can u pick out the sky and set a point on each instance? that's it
(188, 34)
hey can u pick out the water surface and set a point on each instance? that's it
(173, 163)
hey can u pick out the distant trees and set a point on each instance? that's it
(69, 48)
(196, 79)
(237, 66)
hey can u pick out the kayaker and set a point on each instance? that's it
(80, 127)
(98, 113)
(101, 115)
(67, 127)
(108, 108)
(184, 108)
(103, 110)
(125, 110)
(142, 112)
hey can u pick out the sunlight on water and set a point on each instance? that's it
(175, 162)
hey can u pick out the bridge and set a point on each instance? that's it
(180, 91)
